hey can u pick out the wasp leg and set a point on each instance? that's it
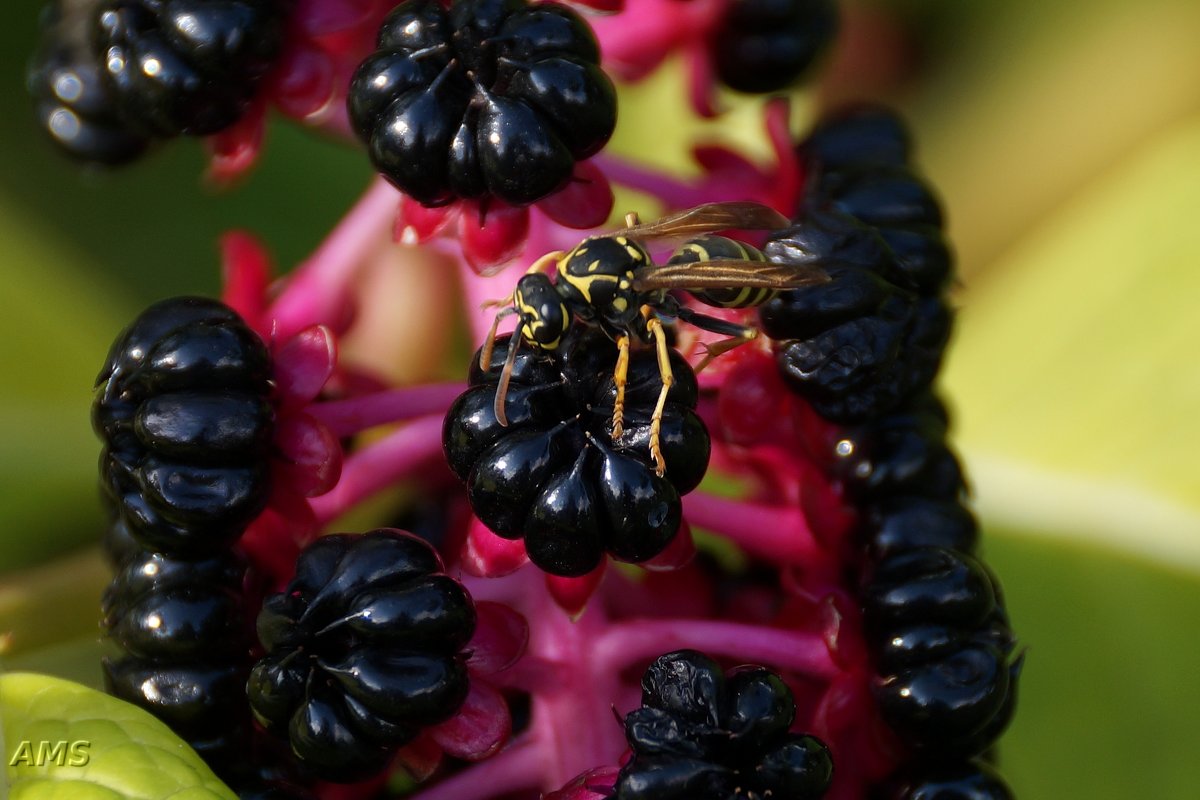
(505, 376)
(620, 377)
(632, 220)
(489, 344)
(655, 326)
(542, 263)
(738, 334)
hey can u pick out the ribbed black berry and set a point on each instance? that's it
(901, 454)
(181, 625)
(862, 342)
(704, 734)
(363, 650)
(933, 613)
(484, 98)
(858, 161)
(185, 66)
(766, 45)
(73, 104)
(901, 522)
(554, 476)
(182, 407)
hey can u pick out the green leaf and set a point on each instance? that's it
(113, 750)
(1073, 371)
(56, 326)
(1108, 697)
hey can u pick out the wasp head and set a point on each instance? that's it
(544, 315)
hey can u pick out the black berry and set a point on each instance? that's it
(766, 45)
(182, 406)
(861, 343)
(484, 98)
(364, 648)
(72, 102)
(185, 66)
(704, 733)
(554, 476)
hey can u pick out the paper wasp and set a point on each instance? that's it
(611, 281)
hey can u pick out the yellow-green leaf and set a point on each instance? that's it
(63, 741)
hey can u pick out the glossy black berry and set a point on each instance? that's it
(484, 98)
(766, 45)
(554, 475)
(73, 104)
(181, 624)
(197, 699)
(901, 454)
(705, 733)
(859, 163)
(858, 136)
(185, 66)
(968, 780)
(860, 343)
(929, 585)
(183, 408)
(934, 704)
(903, 522)
(364, 649)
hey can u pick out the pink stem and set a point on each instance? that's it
(530, 674)
(777, 532)
(398, 456)
(517, 767)
(350, 416)
(318, 291)
(627, 643)
(672, 191)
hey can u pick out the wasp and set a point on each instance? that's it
(612, 282)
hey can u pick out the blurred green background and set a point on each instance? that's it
(1065, 138)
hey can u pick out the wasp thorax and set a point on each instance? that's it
(599, 274)
(544, 316)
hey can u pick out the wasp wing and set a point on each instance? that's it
(708, 218)
(728, 273)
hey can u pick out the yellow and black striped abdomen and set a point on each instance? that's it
(715, 248)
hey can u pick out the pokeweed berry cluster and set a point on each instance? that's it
(364, 648)
(486, 97)
(113, 75)
(866, 348)
(701, 733)
(838, 635)
(933, 612)
(875, 334)
(183, 407)
(554, 476)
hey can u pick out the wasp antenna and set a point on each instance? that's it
(505, 376)
(489, 344)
